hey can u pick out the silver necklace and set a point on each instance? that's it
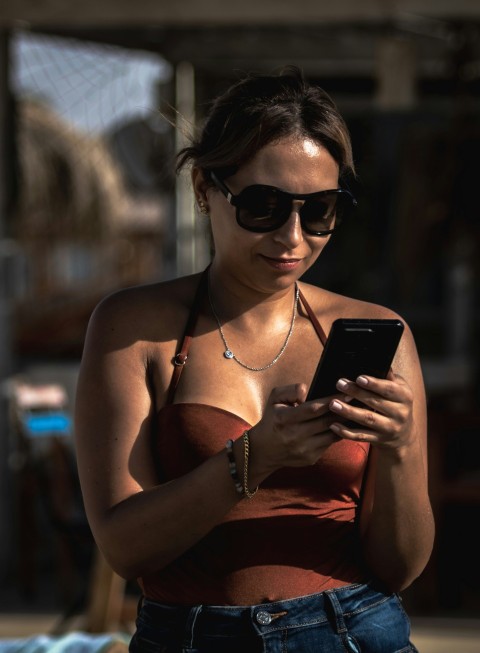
(228, 353)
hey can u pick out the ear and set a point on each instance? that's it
(199, 183)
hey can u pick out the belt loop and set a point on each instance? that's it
(340, 625)
(189, 631)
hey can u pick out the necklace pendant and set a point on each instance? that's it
(228, 353)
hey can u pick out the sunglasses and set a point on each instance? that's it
(266, 208)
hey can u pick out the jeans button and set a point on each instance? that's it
(263, 618)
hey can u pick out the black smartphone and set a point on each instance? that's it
(355, 346)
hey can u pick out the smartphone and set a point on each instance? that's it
(355, 346)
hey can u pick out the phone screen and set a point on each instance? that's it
(354, 347)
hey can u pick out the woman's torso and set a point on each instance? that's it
(298, 535)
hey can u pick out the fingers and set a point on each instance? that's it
(377, 393)
(289, 419)
(384, 414)
(292, 431)
(291, 395)
(285, 438)
(282, 399)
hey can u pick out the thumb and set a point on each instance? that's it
(291, 395)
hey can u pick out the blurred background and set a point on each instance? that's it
(95, 98)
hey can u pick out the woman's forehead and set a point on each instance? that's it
(297, 148)
(290, 161)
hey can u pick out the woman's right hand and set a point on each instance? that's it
(292, 432)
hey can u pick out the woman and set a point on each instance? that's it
(249, 515)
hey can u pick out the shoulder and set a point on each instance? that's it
(329, 306)
(151, 312)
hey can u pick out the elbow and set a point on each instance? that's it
(397, 578)
(112, 550)
(403, 565)
(398, 583)
(128, 562)
(126, 569)
(117, 559)
(127, 554)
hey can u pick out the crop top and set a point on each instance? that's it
(297, 536)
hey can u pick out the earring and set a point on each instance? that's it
(203, 207)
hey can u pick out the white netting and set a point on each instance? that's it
(93, 86)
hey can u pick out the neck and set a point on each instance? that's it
(229, 352)
(239, 302)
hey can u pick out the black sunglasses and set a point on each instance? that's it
(266, 208)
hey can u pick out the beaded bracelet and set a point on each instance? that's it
(232, 467)
(246, 445)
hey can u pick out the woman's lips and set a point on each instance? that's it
(283, 263)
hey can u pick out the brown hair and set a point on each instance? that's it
(259, 110)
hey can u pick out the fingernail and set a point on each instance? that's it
(336, 405)
(335, 428)
(341, 384)
(362, 380)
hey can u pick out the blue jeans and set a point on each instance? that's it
(351, 619)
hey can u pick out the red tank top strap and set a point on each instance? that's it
(313, 318)
(181, 356)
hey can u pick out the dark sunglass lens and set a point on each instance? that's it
(257, 208)
(344, 205)
(321, 213)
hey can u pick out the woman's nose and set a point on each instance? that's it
(290, 233)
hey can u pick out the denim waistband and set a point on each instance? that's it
(334, 605)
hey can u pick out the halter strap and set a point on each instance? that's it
(180, 359)
(313, 318)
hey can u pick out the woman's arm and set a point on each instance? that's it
(396, 520)
(139, 525)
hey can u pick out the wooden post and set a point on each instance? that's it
(396, 74)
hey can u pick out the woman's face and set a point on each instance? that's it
(277, 258)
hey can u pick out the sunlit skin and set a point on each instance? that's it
(142, 526)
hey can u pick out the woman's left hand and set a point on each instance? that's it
(385, 416)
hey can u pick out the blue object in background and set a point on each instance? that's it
(47, 423)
